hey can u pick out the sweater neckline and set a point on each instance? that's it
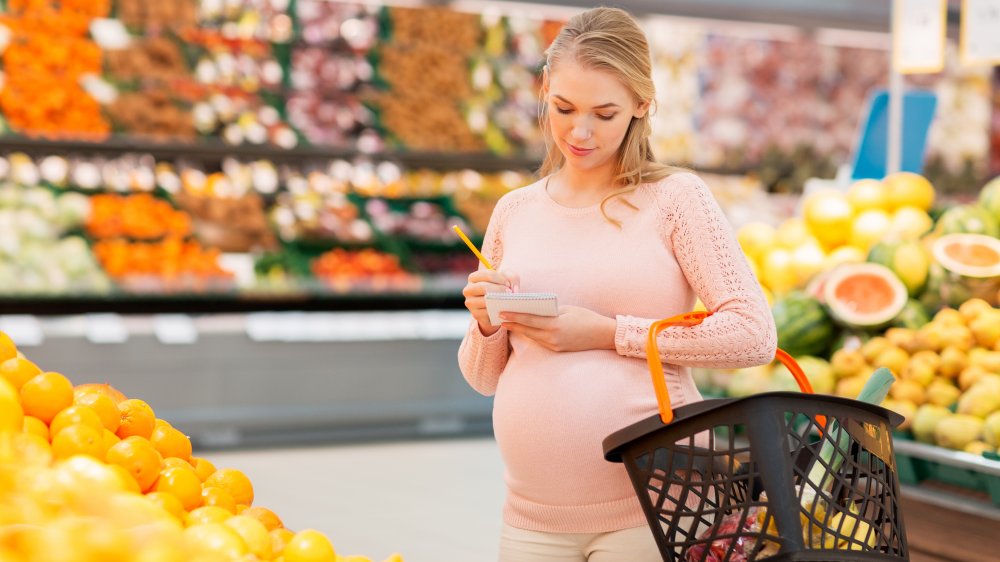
(563, 208)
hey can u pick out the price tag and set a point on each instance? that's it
(24, 329)
(918, 35)
(106, 328)
(241, 266)
(979, 41)
(175, 329)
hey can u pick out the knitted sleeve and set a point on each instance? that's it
(740, 332)
(482, 358)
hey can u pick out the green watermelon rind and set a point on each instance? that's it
(968, 219)
(804, 327)
(849, 319)
(989, 198)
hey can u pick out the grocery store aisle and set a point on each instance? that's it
(432, 501)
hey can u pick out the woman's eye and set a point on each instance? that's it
(606, 117)
(564, 111)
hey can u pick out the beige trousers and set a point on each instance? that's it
(628, 545)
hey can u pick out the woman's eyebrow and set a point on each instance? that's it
(602, 106)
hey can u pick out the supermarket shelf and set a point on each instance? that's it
(239, 380)
(224, 303)
(941, 455)
(952, 501)
(213, 151)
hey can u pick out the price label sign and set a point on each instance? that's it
(25, 330)
(979, 42)
(918, 35)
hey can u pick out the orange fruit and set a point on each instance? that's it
(170, 503)
(78, 439)
(170, 442)
(217, 539)
(265, 516)
(109, 440)
(126, 477)
(28, 449)
(11, 415)
(207, 514)
(158, 423)
(137, 418)
(219, 497)
(241, 507)
(45, 395)
(7, 347)
(203, 467)
(309, 545)
(36, 426)
(139, 458)
(235, 482)
(280, 538)
(182, 483)
(18, 371)
(75, 415)
(113, 393)
(175, 462)
(253, 533)
(101, 403)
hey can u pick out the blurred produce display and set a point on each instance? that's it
(79, 225)
(48, 51)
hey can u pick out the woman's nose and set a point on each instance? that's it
(581, 130)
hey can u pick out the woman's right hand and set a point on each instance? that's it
(480, 283)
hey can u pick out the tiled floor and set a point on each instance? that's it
(432, 501)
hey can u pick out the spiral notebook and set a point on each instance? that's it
(542, 304)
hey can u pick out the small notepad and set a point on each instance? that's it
(542, 304)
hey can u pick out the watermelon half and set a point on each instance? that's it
(971, 266)
(864, 295)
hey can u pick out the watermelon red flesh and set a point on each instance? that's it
(865, 293)
(979, 256)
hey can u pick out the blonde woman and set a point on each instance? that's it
(622, 241)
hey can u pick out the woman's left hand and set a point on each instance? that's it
(574, 329)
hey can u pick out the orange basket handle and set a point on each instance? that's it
(693, 319)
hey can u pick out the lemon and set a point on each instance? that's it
(791, 232)
(908, 189)
(756, 238)
(910, 223)
(778, 271)
(828, 215)
(868, 194)
(844, 254)
(868, 228)
(807, 261)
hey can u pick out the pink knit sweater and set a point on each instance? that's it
(552, 410)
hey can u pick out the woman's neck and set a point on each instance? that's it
(581, 187)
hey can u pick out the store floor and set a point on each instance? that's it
(431, 501)
(440, 501)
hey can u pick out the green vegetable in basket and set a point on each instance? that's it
(838, 441)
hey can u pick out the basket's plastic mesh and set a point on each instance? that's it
(854, 507)
(707, 494)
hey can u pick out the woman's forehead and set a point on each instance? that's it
(584, 86)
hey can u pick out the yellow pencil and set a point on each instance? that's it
(471, 246)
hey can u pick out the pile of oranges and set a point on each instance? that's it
(88, 474)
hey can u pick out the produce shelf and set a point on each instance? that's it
(215, 150)
(920, 463)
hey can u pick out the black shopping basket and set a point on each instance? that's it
(734, 480)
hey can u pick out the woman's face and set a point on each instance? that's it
(589, 112)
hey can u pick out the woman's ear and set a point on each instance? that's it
(641, 109)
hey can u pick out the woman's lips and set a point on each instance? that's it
(579, 151)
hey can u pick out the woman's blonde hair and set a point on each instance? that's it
(610, 40)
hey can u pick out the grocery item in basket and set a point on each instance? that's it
(740, 531)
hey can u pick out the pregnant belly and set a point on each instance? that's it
(550, 423)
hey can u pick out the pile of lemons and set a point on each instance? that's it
(837, 227)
